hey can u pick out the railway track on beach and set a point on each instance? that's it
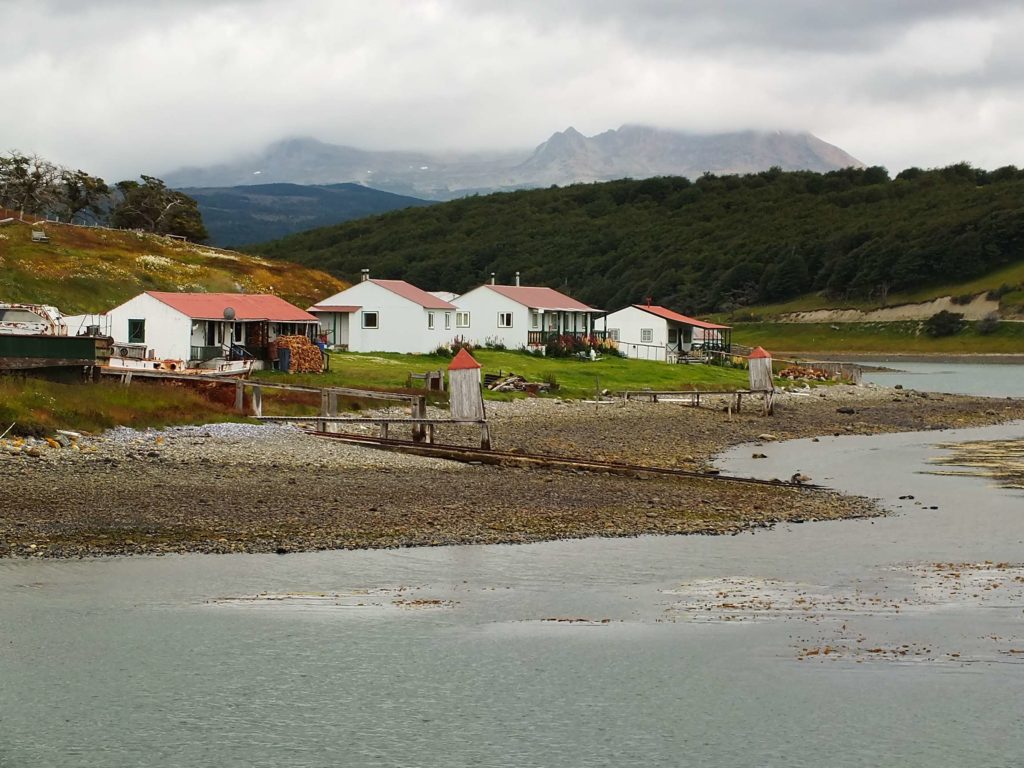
(471, 455)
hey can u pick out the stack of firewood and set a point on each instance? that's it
(803, 373)
(306, 356)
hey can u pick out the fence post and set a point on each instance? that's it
(332, 410)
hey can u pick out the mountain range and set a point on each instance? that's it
(258, 212)
(567, 157)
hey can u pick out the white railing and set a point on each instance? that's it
(644, 351)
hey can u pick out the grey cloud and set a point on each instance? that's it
(782, 25)
(120, 86)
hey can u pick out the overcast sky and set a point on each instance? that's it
(118, 87)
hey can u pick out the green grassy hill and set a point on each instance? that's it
(84, 269)
(712, 245)
(901, 337)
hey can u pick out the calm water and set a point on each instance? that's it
(712, 654)
(990, 379)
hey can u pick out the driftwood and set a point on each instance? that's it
(515, 383)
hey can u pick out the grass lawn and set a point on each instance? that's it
(896, 337)
(575, 378)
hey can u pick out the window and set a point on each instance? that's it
(430, 320)
(613, 334)
(504, 319)
(646, 335)
(136, 331)
(370, 320)
(462, 319)
(447, 321)
(534, 320)
(673, 335)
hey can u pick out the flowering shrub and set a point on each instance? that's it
(568, 345)
(452, 348)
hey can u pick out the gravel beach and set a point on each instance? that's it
(252, 488)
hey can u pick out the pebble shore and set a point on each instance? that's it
(264, 488)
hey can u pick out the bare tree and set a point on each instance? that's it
(29, 183)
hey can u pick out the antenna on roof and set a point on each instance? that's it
(649, 299)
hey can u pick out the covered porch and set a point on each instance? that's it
(547, 325)
(243, 340)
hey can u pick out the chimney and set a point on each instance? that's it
(364, 275)
(517, 278)
(492, 278)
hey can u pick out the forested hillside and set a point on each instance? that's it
(714, 244)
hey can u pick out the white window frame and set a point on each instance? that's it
(462, 319)
(534, 320)
(502, 316)
(447, 321)
(376, 320)
(430, 321)
(646, 335)
(613, 334)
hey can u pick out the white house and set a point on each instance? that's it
(650, 332)
(197, 327)
(386, 316)
(521, 315)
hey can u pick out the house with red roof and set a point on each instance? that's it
(522, 316)
(199, 327)
(650, 332)
(387, 316)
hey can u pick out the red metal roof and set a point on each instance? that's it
(668, 314)
(333, 308)
(536, 297)
(759, 352)
(247, 306)
(413, 294)
(462, 361)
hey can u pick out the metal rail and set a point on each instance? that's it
(478, 456)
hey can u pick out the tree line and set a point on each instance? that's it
(716, 243)
(32, 185)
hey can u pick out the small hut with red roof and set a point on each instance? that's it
(760, 366)
(464, 394)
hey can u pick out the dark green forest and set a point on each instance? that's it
(714, 244)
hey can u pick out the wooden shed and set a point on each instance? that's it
(465, 397)
(760, 365)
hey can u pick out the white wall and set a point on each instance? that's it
(168, 331)
(483, 306)
(630, 322)
(402, 324)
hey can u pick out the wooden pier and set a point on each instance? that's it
(328, 419)
(734, 396)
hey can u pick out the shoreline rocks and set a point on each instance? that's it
(261, 488)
